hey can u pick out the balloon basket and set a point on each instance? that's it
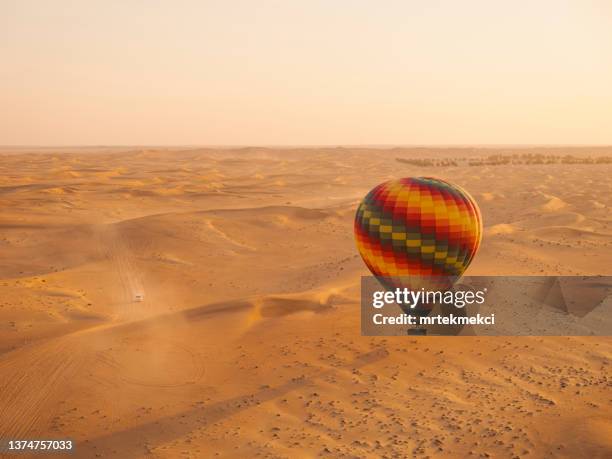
(416, 332)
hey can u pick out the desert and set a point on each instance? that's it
(204, 302)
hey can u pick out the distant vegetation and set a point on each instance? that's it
(502, 160)
(430, 162)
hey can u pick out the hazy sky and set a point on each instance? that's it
(305, 72)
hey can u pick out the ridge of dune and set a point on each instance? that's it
(554, 204)
(559, 218)
(500, 228)
(570, 233)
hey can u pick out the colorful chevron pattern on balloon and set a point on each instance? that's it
(419, 228)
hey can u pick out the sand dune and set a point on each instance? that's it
(575, 235)
(554, 204)
(553, 219)
(193, 302)
(500, 228)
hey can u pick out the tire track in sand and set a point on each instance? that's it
(34, 377)
(115, 247)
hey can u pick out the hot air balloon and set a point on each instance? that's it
(418, 233)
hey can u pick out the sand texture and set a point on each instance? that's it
(205, 302)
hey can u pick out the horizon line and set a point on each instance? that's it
(340, 145)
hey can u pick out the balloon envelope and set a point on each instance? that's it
(418, 232)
